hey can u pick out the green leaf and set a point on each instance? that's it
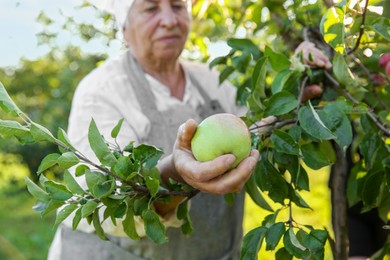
(371, 188)
(72, 184)
(353, 184)
(64, 213)
(120, 211)
(67, 160)
(284, 143)
(81, 170)
(315, 242)
(225, 73)
(99, 146)
(381, 27)
(147, 155)
(312, 124)
(41, 133)
(48, 162)
(314, 157)
(241, 62)
(338, 123)
(183, 213)
(153, 227)
(269, 179)
(140, 205)
(281, 103)
(254, 193)
(229, 198)
(36, 191)
(7, 104)
(57, 191)
(245, 45)
(274, 235)
(218, 61)
(298, 174)
(76, 219)
(98, 226)
(128, 223)
(277, 60)
(123, 167)
(117, 128)
(292, 245)
(279, 80)
(332, 28)
(152, 185)
(270, 219)
(369, 148)
(40, 206)
(112, 204)
(282, 253)
(258, 78)
(252, 242)
(12, 128)
(63, 137)
(298, 200)
(52, 205)
(342, 72)
(88, 208)
(99, 185)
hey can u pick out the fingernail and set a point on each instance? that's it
(181, 130)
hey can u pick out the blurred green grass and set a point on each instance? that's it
(24, 234)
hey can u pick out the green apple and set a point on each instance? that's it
(221, 134)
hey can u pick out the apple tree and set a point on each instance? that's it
(346, 127)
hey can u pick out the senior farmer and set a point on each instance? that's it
(156, 92)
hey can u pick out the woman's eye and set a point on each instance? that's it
(151, 9)
(178, 5)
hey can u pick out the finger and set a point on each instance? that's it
(304, 45)
(311, 92)
(199, 172)
(318, 58)
(234, 180)
(185, 133)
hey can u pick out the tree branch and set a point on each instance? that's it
(136, 187)
(372, 115)
(361, 32)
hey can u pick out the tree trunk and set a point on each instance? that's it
(338, 186)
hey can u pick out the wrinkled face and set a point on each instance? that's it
(157, 29)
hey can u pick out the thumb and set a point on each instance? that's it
(185, 133)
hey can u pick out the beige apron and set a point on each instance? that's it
(217, 227)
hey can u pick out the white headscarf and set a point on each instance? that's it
(118, 8)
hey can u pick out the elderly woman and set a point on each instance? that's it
(155, 92)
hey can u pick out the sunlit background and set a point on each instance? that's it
(23, 233)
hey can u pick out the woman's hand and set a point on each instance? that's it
(212, 176)
(313, 56)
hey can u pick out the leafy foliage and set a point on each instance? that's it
(124, 185)
(351, 116)
(350, 120)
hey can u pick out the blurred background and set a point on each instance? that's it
(47, 47)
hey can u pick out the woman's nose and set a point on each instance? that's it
(168, 16)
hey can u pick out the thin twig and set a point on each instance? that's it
(138, 188)
(301, 91)
(351, 98)
(361, 32)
